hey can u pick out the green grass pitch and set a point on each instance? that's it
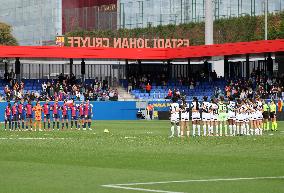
(139, 151)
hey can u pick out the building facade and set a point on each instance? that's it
(143, 13)
(38, 22)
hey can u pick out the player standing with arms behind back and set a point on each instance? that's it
(195, 106)
(223, 116)
(205, 115)
(88, 111)
(232, 116)
(184, 118)
(174, 110)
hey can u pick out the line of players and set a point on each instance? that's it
(25, 116)
(244, 117)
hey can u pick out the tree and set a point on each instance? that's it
(6, 37)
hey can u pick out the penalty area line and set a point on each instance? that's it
(128, 185)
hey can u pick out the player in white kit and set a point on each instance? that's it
(195, 106)
(232, 116)
(206, 117)
(259, 109)
(184, 123)
(214, 118)
(174, 111)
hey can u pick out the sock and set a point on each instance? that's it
(247, 129)
(226, 129)
(181, 133)
(66, 124)
(256, 131)
(172, 130)
(221, 128)
(23, 125)
(72, 124)
(217, 129)
(76, 124)
(204, 130)
(267, 125)
(85, 125)
(62, 125)
(238, 130)
(193, 129)
(252, 131)
(178, 130)
(198, 130)
(12, 125)
(187, 133)
(57, 124)
(260, 131)
(48, 125)
(5, 125)
(89, 125)
(53, 125)
(234, 129)
(276, 126)
(44, 125)
(231, 129)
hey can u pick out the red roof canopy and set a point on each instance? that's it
(228, 49)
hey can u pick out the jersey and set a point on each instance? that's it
(231, 106)
(37, 109)
(29, 109)
(64, 110)
(55, 109)
(222, 108)
(14, 109)
(8, 112)
(185, 112)
(20, 108)
(214, 108)
(206, 107)
(195, 106)
(46, 109)
(73, 110)
(174, 109)
(81, 110)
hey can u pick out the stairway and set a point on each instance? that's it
(123, 95)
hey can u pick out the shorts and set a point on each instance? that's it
(65, 117)
(8, 119)
(88, 116)
(259, 115)
(74, 117)
(21, 116)
(174, 118)
(223, 117)
(246, 118)
(265, 115)
(38, 118)
(213, 117)
(272, 115)
(185, 116)
(195, 116)
(82, 117)
(15, 118)
(47, 116)
(206, 117)
(240, 118)
(231, 115)
(55, 116)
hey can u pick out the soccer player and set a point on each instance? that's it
(223, 116)
(64, 109)
(14, 116)
(272, 107)
(55, 114)
(239, 116)
(37, 109)
(213, 118)
(174, 110)
(8, 113)
(21, 122)
(29, 116)
(195, 106)
(184, 117)
(232, 116)
(206, 108)
(81, 115)
(259, 110)
(265, 115)
(73, 115)
(46, 113)
(88, 111)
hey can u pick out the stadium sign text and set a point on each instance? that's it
(127, 42)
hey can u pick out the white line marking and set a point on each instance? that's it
(29, 138)
(138, 189)
(126, 186)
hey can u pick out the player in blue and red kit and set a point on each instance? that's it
(29, 116)
(21, 121)
(46, 114)
(74, 115)
(14, 116)
(55, 114)
(8, 113)
(81, 115)
(64, 110)
(88, 115)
